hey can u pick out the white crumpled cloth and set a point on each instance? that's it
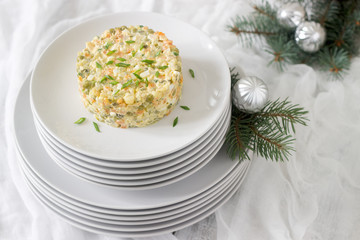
(313, 196)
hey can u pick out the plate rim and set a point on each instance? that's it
(22, 103)
(110, 211)
(143, 176)
(151, 232)
(148, 163)
(134, 158)
(140, 219)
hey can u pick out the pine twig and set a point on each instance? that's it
(267, 139)
(261, 11)
(239, 31)
(324, 16)
(340, 18)
(267, 132)
(334, 60)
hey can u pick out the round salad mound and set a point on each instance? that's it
(130, 76)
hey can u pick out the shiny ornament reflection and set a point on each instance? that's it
(310, 36)
(250, 94)
(290, 15)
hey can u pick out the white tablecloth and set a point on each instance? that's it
(313, 196)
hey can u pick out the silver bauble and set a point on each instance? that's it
(310, 36)
(291, 15)
(250, 94)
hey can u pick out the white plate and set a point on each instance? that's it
(129, 215)
(141, 230)
(135, 219)
(129, 226)
(154, 165)
(56, 101)
(83, 191)
(166, 160)
(149, 183)
(160, 175)
(151, 220)
(129, 175)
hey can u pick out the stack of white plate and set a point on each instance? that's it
(128, 182)
(115, 211)
(141, 158)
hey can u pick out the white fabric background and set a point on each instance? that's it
(314, 196)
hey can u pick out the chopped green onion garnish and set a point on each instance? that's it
(133, 53)
(185, 107)
(126, 84)
(96, 127)
(175, 121)
(114, 82)
(137, 71)
(192, 73)
(176, 53)
(141, 26)
(146, 82)
(81, 120)
(116, 92)
(157, 74)
(111, 52)
(137, 83)
(121, 59)
(163, 67)
(142, 46)
(158, 53)
(137, 76)
(109, 77)
(130, 41)
(103, 79)
(107, 45)
(122, 64)
(98, 65)
(109, 62)
(148, 61)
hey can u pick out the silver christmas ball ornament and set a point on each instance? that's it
(310, 36)
(250, 94)
(290, 15)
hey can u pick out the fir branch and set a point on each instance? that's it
(242, 26)
(235, 76)
(267, 132)
(252, 28)
(325, 10)
(239, 138)
(326, 13)
(284, 50)
(264, 13)
(356, 20)
(266, 10)
(272, 144)
(283, 114)
(340, 18)
(341, 30)
(335, 60)
(239, 31)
